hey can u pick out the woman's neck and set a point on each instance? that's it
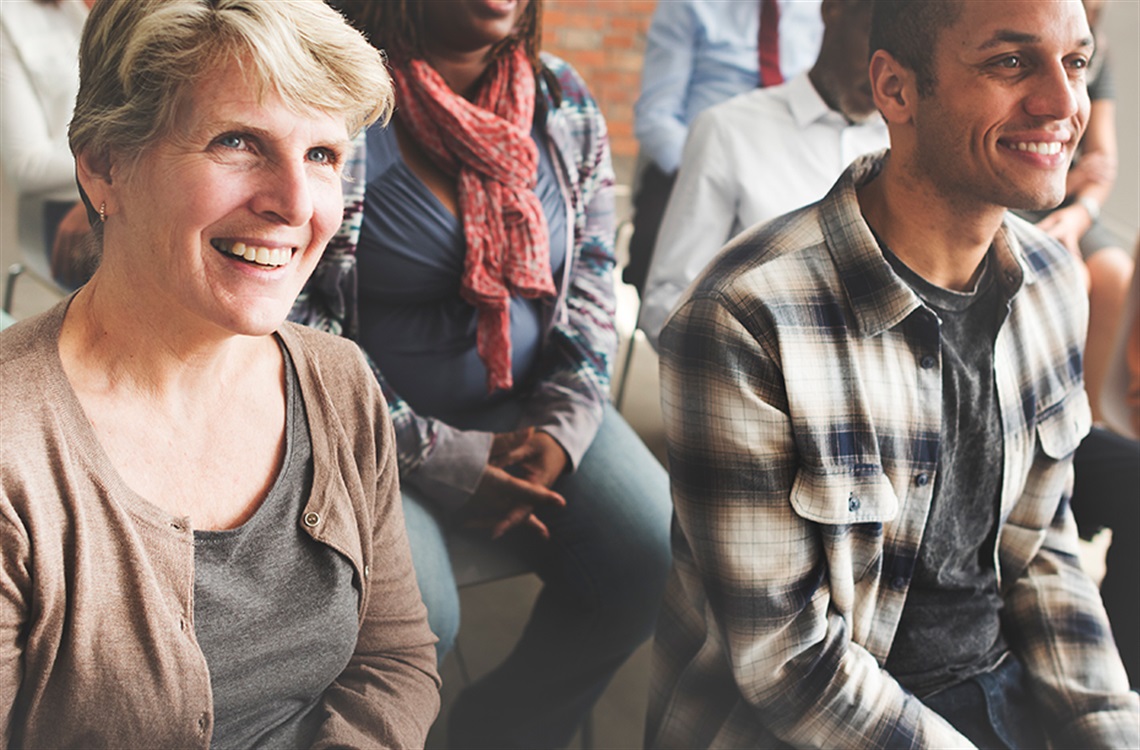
(106, 331)
(460, 70)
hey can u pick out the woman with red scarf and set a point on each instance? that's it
(475, 268)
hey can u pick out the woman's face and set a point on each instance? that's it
(470, 25)
(224, 220)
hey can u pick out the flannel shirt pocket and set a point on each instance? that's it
(850, 508)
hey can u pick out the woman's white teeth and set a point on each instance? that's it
(262, 256)
(1050, 148)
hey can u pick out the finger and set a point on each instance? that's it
(530, 493)
(514, 517)
(505, 442)
(533, 521)
(524, 453)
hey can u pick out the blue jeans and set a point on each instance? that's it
(603, 571)
(993, 709)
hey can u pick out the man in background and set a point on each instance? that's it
(764, 153)
(699, 53)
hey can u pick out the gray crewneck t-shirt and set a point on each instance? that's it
(950, 628)
(275, 612)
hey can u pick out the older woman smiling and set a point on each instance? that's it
(201, 540)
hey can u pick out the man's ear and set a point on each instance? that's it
(894, 88)
(831, 10)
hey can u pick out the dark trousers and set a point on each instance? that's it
(1107, 493)
(993, 709)
(648, 210)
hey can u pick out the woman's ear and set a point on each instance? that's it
(893, 86)
(93, 171)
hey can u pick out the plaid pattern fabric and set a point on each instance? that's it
(577, 356)
(801, 384)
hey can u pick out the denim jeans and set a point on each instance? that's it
(603, 571)
(993, 709)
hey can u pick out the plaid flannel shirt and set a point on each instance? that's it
(446, 463)
(802, 386)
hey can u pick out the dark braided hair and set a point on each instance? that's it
(396, 26)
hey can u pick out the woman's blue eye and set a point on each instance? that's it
(231, 141)
(322, 156)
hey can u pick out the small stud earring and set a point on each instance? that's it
(103, 212)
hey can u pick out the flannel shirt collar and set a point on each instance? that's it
(879, 298)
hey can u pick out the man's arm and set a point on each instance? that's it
(764, 568)
(698, 221)
(659, 113)
(1053, 615)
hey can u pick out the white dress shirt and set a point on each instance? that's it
(702, 52)
(750, 159)
(39, 73)
(39, 78)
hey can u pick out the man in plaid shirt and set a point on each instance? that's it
(871, 407)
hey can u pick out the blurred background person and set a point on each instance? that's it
(699, 53)
(201, 541)
(482, 288)
(764, 153)
(1075, 223)
(39, 76)
(1107, 474)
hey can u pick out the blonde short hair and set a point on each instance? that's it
(139, 58)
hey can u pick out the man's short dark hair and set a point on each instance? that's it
(909, 30)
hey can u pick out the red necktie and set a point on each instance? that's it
(770, 44)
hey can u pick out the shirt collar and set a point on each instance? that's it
(805, 103)
(879, 298)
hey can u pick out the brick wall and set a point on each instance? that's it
(605, 41)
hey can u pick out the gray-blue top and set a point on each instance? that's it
(413, 323)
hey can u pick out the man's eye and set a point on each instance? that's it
(1012, 62)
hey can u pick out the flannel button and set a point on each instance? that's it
(853, 504)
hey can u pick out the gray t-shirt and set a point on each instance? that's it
(275, 612)
(950, 628)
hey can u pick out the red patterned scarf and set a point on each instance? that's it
(487, 144)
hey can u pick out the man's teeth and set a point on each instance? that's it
(263, 256)
(1050, 148)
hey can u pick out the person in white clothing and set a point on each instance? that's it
(39, 77)
(699, 53)
(764, 153)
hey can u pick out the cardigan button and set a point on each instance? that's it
(367, 571)
(927, 362)
(922, 479)
(311, 519)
